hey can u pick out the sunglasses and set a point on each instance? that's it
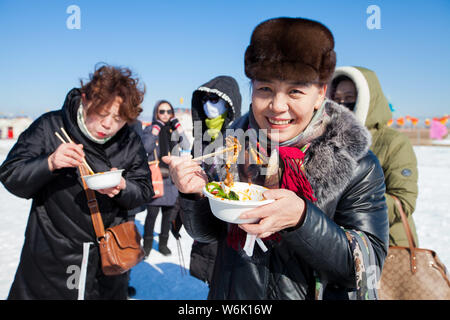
(210, 97)
(165, 111)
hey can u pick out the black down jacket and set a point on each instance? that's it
(60, 225)
(203, 255)
(348, 181)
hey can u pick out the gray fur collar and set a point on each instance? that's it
(332, 158)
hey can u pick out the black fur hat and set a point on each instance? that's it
(291, 49)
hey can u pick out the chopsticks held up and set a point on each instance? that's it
(231, 144)
(71, 141)
(206, 156)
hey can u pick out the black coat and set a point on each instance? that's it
(348, 181)
(203, 255)
(60, 221)
(227, 89)
(175, 142)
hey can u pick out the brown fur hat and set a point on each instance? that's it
(291, 49)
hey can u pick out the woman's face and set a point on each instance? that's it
(285, 108)
(165, 112)
(345, 92)
(107, 122)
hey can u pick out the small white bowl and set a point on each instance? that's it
(230, 210)
(103, 180)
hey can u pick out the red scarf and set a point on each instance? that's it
(293, 179)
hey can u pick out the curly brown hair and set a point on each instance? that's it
(107, 83)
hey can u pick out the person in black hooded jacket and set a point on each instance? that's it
(60, 256)
(215, 106)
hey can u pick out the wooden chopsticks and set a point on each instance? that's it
(199, 158)
(206, 156)
(69, 140)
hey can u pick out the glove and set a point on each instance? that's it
(174, 124)
(158, 125)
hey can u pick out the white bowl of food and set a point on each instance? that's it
(103, 180)
(228, 208)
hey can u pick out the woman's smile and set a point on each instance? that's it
(279, 123)
(285, 108)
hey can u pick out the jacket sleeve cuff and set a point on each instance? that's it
(323, 244)
(130, 197)
(198, 220)
(305, 228)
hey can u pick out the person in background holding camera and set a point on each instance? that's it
(165, 136)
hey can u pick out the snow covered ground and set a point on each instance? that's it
(432, 215)
(160, 277)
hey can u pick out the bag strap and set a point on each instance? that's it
(412, 245)
(96, 217)
(156, 156)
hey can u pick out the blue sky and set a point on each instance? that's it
(175, 46)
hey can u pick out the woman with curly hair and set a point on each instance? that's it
(60, 256)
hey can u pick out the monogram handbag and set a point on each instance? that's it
(120, 246)
(411, 273)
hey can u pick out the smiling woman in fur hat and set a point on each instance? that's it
(329, 209)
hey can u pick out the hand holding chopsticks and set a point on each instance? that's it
(67, 154)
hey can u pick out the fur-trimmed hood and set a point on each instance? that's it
(332, 158)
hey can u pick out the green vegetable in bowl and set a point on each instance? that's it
(232, 195)
(215, 189)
